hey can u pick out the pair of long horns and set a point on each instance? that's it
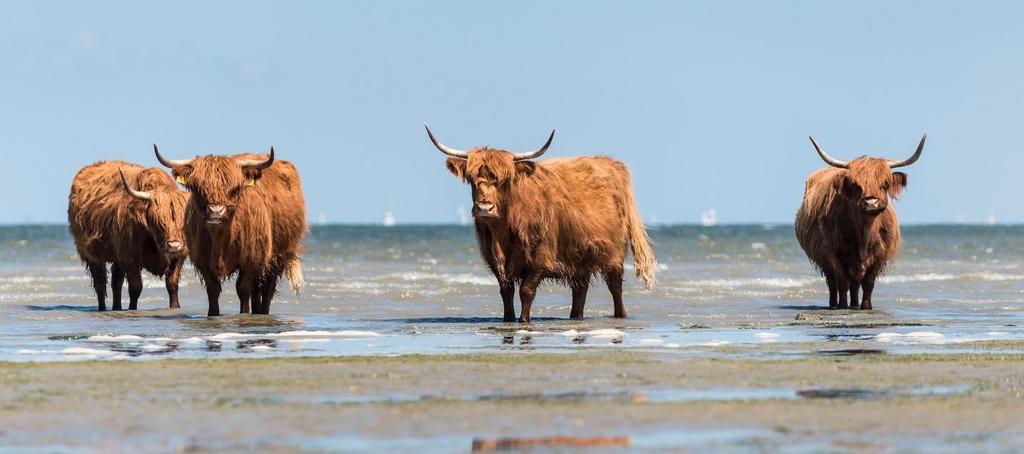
(892, 164)
(456, 153)
(141, 195)
(256, 164)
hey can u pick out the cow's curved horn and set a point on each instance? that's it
(170, 163)
(536, 153)
(828, 159)
(258, 164)
(141, 195)
(453, 152)
(911, 159)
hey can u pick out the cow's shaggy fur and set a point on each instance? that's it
(110, 226)
(561, 219)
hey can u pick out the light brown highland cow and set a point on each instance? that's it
(246, 215)
(132, 220)
(563, 219)
(847, 225)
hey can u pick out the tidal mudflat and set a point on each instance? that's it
(397, 345)
(866, 402)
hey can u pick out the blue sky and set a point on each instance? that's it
(710, 103)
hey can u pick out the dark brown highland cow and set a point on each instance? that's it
(563, 219)
(847, 225)
(132, 220)
(246, 215)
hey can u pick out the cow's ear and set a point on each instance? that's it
(899, 181)
(181, 174)
(525, 168)
(252, 174)
(457, 167)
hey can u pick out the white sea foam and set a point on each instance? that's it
(463, 278)
(343, 333)
(771, 282)
(714, 343)
(154, 348)
(987, 276)
(651, 341)
(262, 348)
(767, 335)
(911, 337)
(114, 338)
(596, 334)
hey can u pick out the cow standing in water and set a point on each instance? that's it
(847, 225)
(246, 215)
(562, 219)
(131, 217)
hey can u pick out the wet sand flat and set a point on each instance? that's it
(870, 402)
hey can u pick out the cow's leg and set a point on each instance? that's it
(171, 281)
(854, 294)
(212, 284)
(843, 285)
(134, 276)
(869, 287)
(116, 285)
(98, 271)
(269, 288)
(528, 290)
(243, 286)
(833, 292)
(614, 281)
(579, 299)
(508, 293)
(257, 297)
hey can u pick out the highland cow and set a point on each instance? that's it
(132, 219)
(562, 219)
(246, 215)
(847, 225)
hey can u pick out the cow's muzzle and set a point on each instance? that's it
(872, 205)
(215, 214)
(174, 248)
(484, 210)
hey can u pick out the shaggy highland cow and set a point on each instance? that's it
(246, 215)
(847, 225)
(562, 219)
(132, 220)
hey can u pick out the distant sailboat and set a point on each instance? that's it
(991, 218)
(709, 218)
(463, 216)
(389, 219)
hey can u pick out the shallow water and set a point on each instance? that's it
(423, 289)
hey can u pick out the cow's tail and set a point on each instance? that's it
(639, 241)
(294, 273)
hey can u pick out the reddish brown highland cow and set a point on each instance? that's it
(246, 215)
(563, 219)
(847, 225)
(132, 220)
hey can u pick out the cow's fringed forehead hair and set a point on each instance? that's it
(215, 175)
(872, 173)
(499, 163)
